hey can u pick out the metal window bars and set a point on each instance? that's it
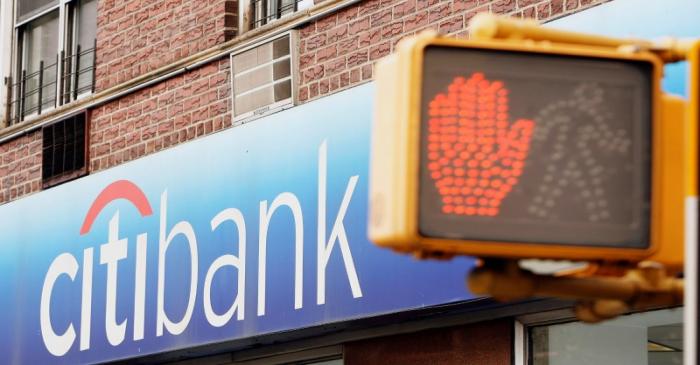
(63, 148)
(34, 92)
(265, 11)
(74, 66)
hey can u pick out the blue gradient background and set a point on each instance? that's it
(650, 19)
(235, 168)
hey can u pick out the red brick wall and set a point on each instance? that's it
(338, 51)
(182, 108)
(20, 167)
(138, 36)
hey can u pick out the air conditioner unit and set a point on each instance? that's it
(264, 78)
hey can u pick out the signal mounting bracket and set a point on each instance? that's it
(598, 297)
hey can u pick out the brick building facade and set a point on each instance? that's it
(162, 76)
(142, 41)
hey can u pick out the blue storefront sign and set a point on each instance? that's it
(254, 230)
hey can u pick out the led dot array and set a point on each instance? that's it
(475, 154)
(580, 167)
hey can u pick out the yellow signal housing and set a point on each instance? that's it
(670, 250)
(423, 202)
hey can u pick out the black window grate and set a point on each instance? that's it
(64, 149)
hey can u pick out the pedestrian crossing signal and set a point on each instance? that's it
(504, 149)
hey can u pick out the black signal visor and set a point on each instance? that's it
(523, 147)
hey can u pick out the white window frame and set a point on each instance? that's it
(18, 58)
(276, 106)
(522, 325)
(520, 343)
(7, 12)
(248, 13)
(74, 45)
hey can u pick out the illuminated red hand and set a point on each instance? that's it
(475, 155)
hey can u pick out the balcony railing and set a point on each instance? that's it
(265, 11)
(74, 67)
(34, 92)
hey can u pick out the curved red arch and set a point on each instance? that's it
(121, 189)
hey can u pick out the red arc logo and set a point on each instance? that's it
(475, 154)
(121, 189)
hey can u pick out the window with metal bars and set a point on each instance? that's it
(78, 72)
(64, 150)
(55, 56)
(265, 11)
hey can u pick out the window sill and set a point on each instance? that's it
(63, 178)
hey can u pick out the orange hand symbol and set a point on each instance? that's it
(475, 155)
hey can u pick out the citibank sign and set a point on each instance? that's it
(257, 230)
(116, 249)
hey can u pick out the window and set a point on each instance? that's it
(39, 45)
(79, 62)
(26, 9)
(263, 78)
(649, 338)
(266, 11)
(54, 55)
(64, 150)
